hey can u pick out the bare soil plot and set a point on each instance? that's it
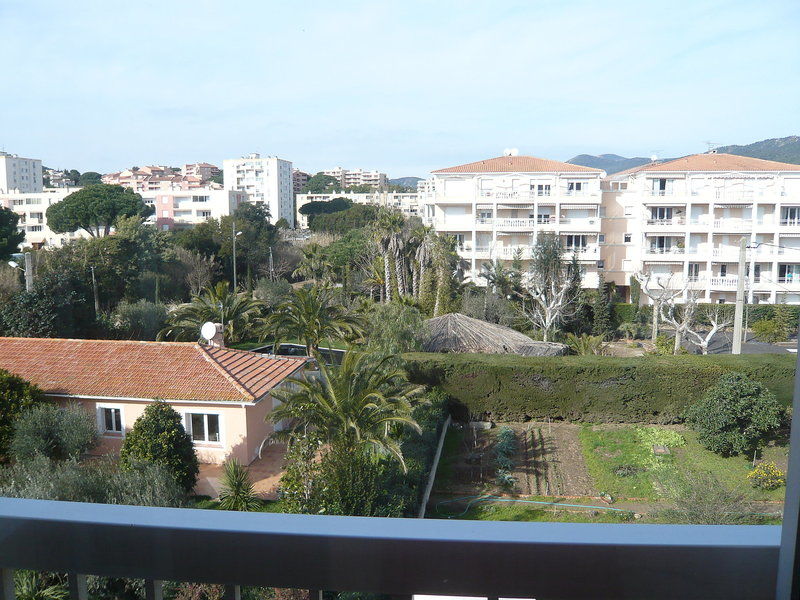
(548, 462)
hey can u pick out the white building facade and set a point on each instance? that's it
(408, 204)
(176, 210)
(681, 222)
(265, 180)
(32, 211)
(496, 208)
(352, 177)
(19, 174)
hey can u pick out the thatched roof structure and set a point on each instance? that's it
(455, 332)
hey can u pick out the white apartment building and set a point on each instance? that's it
(175, 210)
(32, 211)
(19, 174)
(265, 180)
(498, 206)
(406, 203)
(682, 221)
(349, 178)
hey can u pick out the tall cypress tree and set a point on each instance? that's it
(602, 310)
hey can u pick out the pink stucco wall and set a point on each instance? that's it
(242, 427)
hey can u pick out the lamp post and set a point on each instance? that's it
(234, 234)
(28, 270)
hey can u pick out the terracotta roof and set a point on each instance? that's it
(133, 369)
(712, 161)
(518, 164)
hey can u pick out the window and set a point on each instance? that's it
(165, 213)
(484, 214)
(723, 270)
(575, 241)
(627, 238)
(199, 198)
(628, 211)
(112, 420)
(661, 213)
(601, 264)
(204, 213)
(543, 189)
(575, 188)
(203, 427)
(694, 271)
(601, 238)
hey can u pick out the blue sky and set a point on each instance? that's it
(404, 87)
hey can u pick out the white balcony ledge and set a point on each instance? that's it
(397, 556)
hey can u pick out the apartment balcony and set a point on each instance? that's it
(583, 224)
(664, 253)
(459, 223)
(733, 224)
(529, 196)
(590, 252)
(665, 224)
(790, 223)
(401, 557)
(515, 224)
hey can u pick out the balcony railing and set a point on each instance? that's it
(667, 222)
(734, 224)
(381, 555)
(666, 250)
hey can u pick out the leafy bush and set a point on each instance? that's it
(767, 476)
(237, 488)
(505, 479)
(54, 432)
(32, 585)
(158, 437)
(585, 344)
(394, 328)
(700, 499)
(658, 436)
(768, 331)
(98, 481)
(735, 415)
(649, 389)
(623, 313)
(140, 320)
(16, 396)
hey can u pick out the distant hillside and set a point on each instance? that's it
(786, 149)
(409, 182)
(610, 163)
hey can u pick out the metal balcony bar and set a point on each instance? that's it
(397, 556)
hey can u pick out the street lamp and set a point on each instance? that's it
(28, 270)
(235, 235)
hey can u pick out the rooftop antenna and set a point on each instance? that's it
(510, 151)
(712, 146)
(654, 155)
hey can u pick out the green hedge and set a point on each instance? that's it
(652, 389)
(625, 313)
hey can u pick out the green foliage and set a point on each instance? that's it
(324, 207)
(769, 331)
(237, 491)
(659, 436)
(322, 184)
(636, 293)
(98, 481)
(665, 346)
(240, 314)
(312, 315)
(624, 313)
(272, 292)
(735, 415)
(54, 432)
(158, 437)
(700, 499)
(140, 320)
(393, 329)
(58, 306)
(591, 388)
(90, 178)
(585, 345)
(16, 397)
(601, 309)
(355, 217)
(10, 236)
(505, 447)
(33, 585)
(95, 208)
(767, 476)
(785, 320)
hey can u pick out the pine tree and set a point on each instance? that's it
(784, 320)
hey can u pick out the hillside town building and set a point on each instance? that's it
(18, 174)
(266, 181)
(408, 204)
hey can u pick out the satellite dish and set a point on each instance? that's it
(208, 330)
(654, 158)
(506, 151)
(514, 151)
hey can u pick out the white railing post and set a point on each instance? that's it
(78, 589)
(7, 584)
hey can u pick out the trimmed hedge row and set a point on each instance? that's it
(651, 389)
(626, 313)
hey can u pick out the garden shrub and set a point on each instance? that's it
(16, 396)
(767, 476)
(623, 313)
(158, 437)
(55, 432)
(649, 389)
(735, 415)
(769, 331)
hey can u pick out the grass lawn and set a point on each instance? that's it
(204, 502)
(452, 442)
(511, 511)
(607, 448)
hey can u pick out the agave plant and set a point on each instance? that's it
(585, 344)
(237, 491)
(30, 585)
(237, 312)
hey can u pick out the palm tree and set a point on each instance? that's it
(235, 311)
(237, 491)
(500, 279)
(423, 256)
(444, 251)
(374, 278)
(388, 225)
(358, 406)
(310, 315)
(314, 265)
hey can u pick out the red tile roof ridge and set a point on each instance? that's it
(204, 350)
(106, 341)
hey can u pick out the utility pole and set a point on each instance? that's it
(271, 265)
(28, 272)
(739, 313)
(96, 297)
